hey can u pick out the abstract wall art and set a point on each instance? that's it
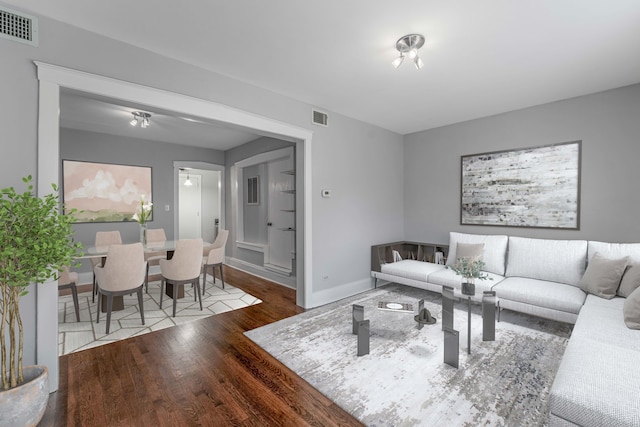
(103, 192)
(532, 187)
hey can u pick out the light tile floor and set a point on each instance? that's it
(75, 336)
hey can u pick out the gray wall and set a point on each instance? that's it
(98, 147)
(362, 163)
(608, 124)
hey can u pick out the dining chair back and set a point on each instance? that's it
(155, 236)
(103, 238)
(183, 268)
(213, 256)
(123, 273)
(69, 280)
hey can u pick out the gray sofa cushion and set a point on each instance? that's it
(598, 381)
(631, 310)
(603, 275)
(495, 249)
(630, 280)
(602, 320)
(597, 384)
(411, 269)
(561, 261)
(552, 295)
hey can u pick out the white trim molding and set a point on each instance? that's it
(53, 77)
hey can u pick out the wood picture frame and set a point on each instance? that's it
(104, 192)
(535, 187)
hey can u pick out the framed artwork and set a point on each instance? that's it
(104, 192)
(532, 187)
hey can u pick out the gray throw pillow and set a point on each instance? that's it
(631, 310)
(469, 250)
(630, 280)
(603, 275)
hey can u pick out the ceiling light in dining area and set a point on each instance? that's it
(408, 46)
(140, 118)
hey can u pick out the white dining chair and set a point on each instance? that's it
(183, 268)
(123, 273)
(103, 239)
(213, 256)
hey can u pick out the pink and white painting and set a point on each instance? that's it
(103, 192)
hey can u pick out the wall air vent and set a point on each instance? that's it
(319, 118)
(18, 26)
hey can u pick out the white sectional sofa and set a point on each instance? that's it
(598, 381)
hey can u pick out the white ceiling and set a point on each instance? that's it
(111, 116)
(481, 57)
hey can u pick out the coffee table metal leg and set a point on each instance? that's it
(447, 307)
(358, 316)
(489, 316)
(451, 347)
(363, 337)
(469, 325)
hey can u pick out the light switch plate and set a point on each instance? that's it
(167, 208)
(326, 193)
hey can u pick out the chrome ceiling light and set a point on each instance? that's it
(140, 118)
(408, 46)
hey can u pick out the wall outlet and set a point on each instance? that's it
(326, 193)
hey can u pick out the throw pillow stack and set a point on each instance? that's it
(607, 278)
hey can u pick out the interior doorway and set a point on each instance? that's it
(190, 206)
(52, 78)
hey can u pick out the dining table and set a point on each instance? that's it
(166, 246)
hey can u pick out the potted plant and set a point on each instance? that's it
(142, 215)
(470, 268)
(35, 243)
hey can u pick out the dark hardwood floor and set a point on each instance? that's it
(202, 373)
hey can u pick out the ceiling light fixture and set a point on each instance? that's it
(141, 118)
(408, 46)
(187, 182)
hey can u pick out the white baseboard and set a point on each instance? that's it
(336, 293)
(256, 270)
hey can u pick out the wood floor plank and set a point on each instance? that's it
(204, 373)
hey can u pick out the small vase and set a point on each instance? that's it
(143, 234)
(468, 286)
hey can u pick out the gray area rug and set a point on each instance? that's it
(403, 381)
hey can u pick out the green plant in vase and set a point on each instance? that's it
(142, 215)
(35, 244)
(470, 268)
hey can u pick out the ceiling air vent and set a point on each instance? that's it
(18, 26)
(319, 118)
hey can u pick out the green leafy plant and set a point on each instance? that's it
(35, 243)
(470, 268)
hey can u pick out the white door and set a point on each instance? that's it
(190, 207)
(281, 217)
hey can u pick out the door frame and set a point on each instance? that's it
(52, 77)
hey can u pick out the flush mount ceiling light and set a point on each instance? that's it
(140, 118)
(408, 46)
